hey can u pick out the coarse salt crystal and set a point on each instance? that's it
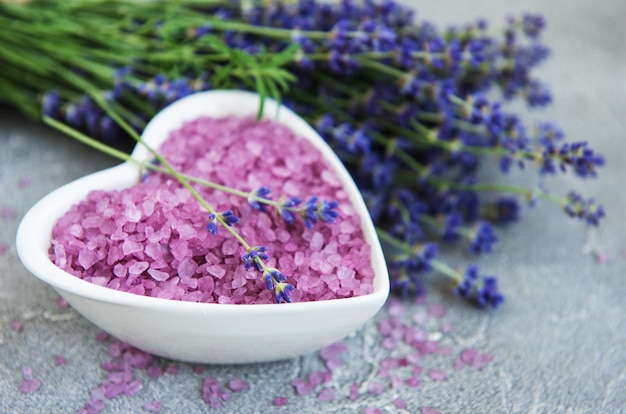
(229, 247)
(158, 275)
(26, 386)
(280, 401)
(238, 385)
(217, 271)
(345, 273)
(317, 241)
(132, 214)
(138, 268)
(87, 258)
(186, 268)
(130, 247)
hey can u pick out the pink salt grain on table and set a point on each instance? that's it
(151, 239)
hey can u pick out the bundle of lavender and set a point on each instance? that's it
(407, 106)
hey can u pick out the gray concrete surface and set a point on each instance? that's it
(558, 341)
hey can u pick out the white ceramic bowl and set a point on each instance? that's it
(201, 332)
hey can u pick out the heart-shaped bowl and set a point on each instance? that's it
(202, 332)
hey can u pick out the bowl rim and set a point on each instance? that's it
(34, 232)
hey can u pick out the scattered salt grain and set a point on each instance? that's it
(376, 388)
(26, 386)
(437, 310)
(27, 371)
(7, 213)
(153, 406)
(154, 372)
(302, 386)
(317, 242)
(212, 392)
(62, 303)
(17, 326)
(413, 382)
(437, 375)
(237, 385)
(327, 394)
(217, 271)
(280, 401)
(172, 369)
(400, 403)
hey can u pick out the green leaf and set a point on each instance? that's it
(261, 89)
(286, 56)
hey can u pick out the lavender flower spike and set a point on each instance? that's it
(283, 292)
(255, 255)
(254, 195)
(489, 293)
(271, 276)
(312, 211)
(285, 209)
(227, 217)
(326, 211)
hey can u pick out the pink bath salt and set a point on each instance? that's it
(154, 251)
(187, 268)
(152, 238)
(229, 247)
(327, 394)
(179, 249)
(17, 326)
(62, 303)
(27, 386)
(186, 232)
(437, 375)
(153, 406)
(437, 311)
(302, 386)
(7, 213)
(376, 388)
(413, 382)
(468, 356)
(354, 391)
(158, 275)
(24, 182)
(481, 361)
(238, 385)
(87, 258)
(154, 372)
(101, 337)
(317, 241)
(130, 247)
(317, 377)
(217, 271)
(400, 403)
(138, 268)
(280, 401)
(172, 369)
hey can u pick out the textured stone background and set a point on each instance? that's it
(558, 341)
